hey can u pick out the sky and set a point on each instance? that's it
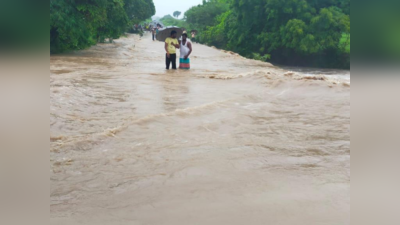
(164, 7)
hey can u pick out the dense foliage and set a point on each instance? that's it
(377, 32)
(77, 24)
(168, 20)
(295, 32)
(177, 14)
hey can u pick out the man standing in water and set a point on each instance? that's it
(153, 31)
(171, 44)
(186, 50)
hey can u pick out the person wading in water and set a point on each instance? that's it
(157, 31)
(171, 44)
(154, 33)
(186, 50)
(194, 37)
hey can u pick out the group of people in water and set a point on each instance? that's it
(172, 43)
(185, 46)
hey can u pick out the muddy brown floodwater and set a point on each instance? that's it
(233, 141)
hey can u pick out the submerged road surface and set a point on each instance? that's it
(233, 141)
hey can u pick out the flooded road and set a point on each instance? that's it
(232, 141)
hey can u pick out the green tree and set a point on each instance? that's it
(168, 20)
(205, 15)
(177, 14)
(139, 10)
(298, 32)
(77, 24)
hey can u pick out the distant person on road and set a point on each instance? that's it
(186, 50)
(153, 33)
(157, 29)
(171, 44)
(193, 37)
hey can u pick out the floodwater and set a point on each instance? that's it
(232, 141)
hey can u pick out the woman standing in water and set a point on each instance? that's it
(186, 50)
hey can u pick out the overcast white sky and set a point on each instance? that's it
(164, 7)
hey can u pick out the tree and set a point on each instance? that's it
(177, 14)
(296, 32)
(77, 24)
(168, 20)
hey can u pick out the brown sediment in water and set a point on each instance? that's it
(231, 141)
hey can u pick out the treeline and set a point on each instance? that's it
(292, 32)
(168, 20)
(77, 24)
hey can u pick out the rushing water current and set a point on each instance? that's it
(232, 141)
